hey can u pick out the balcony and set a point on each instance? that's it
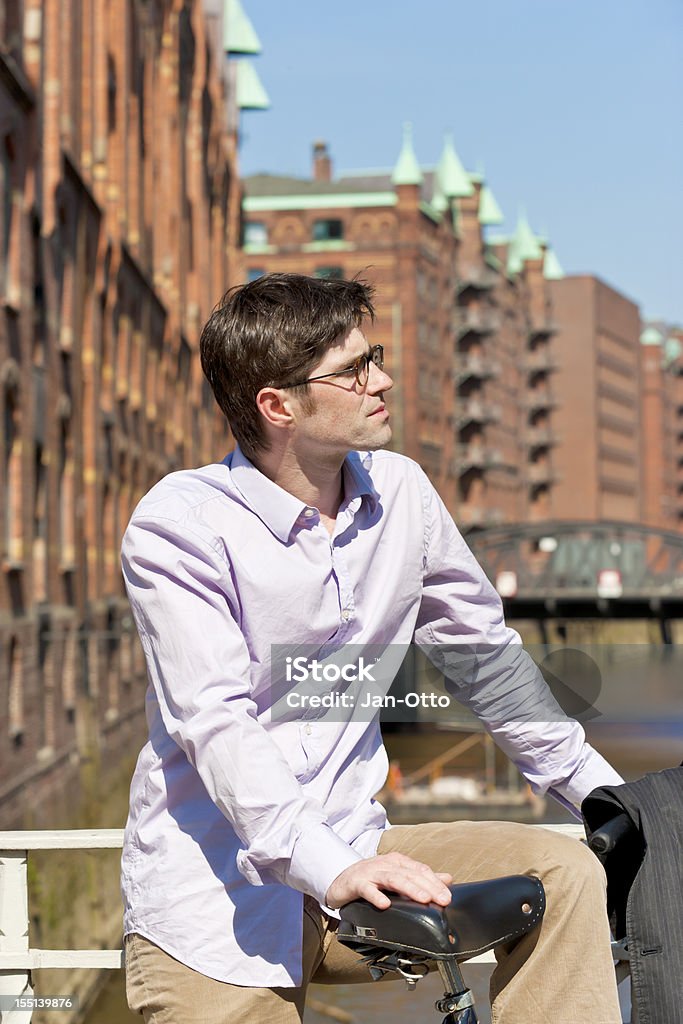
(539, 474)
(474, 411)
(537, 399)
(540, 437)
(542, 327)
(540, 362)
(477, 278)
(474, 456)
(476, 368)
(475, 515)
(475, 321)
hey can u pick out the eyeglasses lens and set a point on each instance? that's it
(376, 355)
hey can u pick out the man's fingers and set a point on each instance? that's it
(375, 896)
(393, 872)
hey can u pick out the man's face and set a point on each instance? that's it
(340, 416)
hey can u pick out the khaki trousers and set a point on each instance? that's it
(561, 973)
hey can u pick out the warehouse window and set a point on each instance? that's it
(328, 231)
(255, 233)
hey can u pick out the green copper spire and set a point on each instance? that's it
(238, 32)
(439, 201)
(672, 350)
(651, 336)
(453, 177)
(407, 170)
(489, 210)
(552, 270)
(523, 245)
(250, 92)
(527, 243)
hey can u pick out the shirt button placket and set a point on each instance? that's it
(345, 589)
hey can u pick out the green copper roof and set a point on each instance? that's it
(250, 92)
(359, 200)
(439, 201)
(672, 350)
(651, 336)
(453, 177)
(489, 210)
(523, 246)
(527, 243)
(552, 270)
(407, 170)
(238, 33)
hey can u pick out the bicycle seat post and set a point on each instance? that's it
(458, 1002)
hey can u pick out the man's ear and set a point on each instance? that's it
(275, 407)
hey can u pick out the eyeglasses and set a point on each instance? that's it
(360, 368)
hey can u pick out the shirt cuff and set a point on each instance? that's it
(319, 855)
(594, 771)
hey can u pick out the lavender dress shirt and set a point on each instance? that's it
(233, 814)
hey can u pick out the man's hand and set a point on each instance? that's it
(392, 871)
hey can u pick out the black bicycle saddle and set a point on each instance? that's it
(481, 915)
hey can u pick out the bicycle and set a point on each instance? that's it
(411, 939)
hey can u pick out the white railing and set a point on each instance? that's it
(16, 956)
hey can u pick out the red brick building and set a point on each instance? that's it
(598, 457)
(466, 321)
(119, 229)
(662, 425)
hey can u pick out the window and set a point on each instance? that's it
(255, 233)
(253, 273)
(332, 273)
(328, 231)
(5, 212)
(12, 545)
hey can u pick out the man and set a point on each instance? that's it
(248, 828)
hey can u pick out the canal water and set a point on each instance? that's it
(632, 747)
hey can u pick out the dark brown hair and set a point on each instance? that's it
(271, 331)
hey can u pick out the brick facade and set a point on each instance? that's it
(598, 387)
(119, 229)
(662, 426)
(468, 344)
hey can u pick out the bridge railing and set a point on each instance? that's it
(17, 958)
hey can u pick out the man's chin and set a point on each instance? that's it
(380, 440)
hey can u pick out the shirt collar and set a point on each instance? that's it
(357, 480)
(279, 509)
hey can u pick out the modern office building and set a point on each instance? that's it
(662, 425)
(598, 420)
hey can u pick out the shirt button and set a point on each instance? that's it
(308, 730)
(309, 512)
(346, 615)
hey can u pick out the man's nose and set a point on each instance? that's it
(378, 380)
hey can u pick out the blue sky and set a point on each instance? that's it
(573, 106)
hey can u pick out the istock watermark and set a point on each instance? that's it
(446, 684)
(301, 669)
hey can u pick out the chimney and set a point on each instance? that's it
(322, 165)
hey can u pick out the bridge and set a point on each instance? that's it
(578, 569)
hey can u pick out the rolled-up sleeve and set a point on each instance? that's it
(187, 614)
(461, 628)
